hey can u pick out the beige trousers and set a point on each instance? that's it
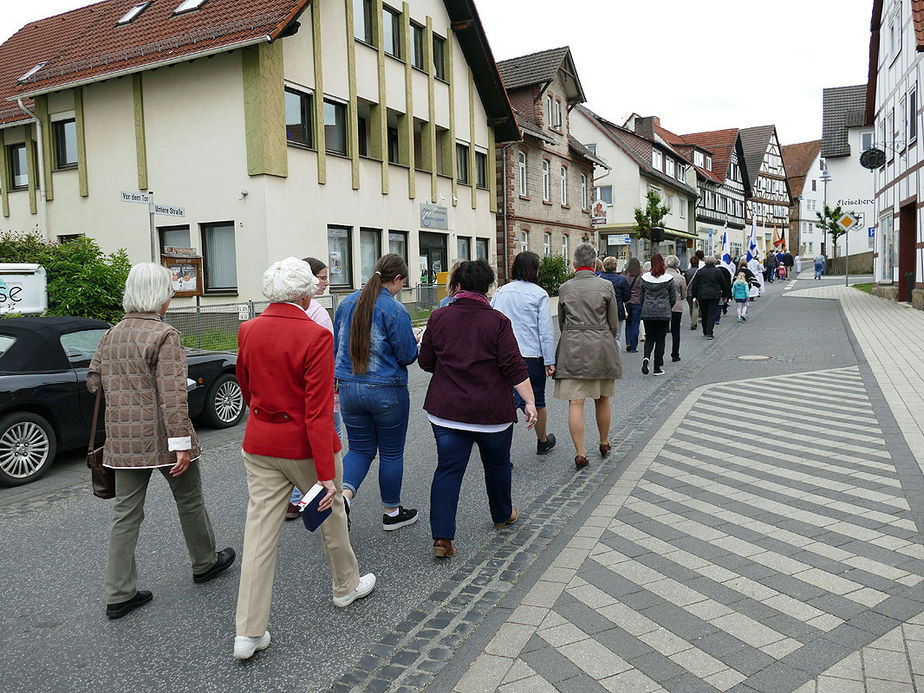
(269, 482)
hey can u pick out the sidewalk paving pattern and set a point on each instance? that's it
(720, 562)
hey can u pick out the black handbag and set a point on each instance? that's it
(103, 477)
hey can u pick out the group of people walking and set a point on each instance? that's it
(489, 358)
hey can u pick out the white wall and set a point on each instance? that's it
(851, 187)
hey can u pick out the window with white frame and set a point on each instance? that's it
(683, 208)
(584, 200)
(656, 159)
(698, 159)
(524, 240)
(669, 167)
(546, 181)
(521, 173)
(669, 201)
(890, 132)
(564, 185)
(558, 114)
(708, 162)
(546, 244)
(912, 114)
(340, 255)
(866, 141)
(564, 246)
(219, 261)
(548, 109)
(604, 193)
(903, 115)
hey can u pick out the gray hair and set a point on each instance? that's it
(289, 280)
(147, 288)
(672, 261)
(710, 259)
(585, 255)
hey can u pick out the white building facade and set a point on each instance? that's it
(359, 129)
(893, 112)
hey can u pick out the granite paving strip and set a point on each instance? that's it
(706, 588)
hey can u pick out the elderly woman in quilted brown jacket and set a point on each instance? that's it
(141, 366)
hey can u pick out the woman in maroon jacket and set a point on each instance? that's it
(472, 353)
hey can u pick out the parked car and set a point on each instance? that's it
(45, 406)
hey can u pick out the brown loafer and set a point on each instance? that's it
(580, 461)
(605, 449)
(443, 548)
(513, 518)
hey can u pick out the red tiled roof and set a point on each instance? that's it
(722, 145)
(87, 43)
(797, 160)
(917, 16)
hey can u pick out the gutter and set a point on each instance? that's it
(506, 231)
(143, 68)
(43, 211)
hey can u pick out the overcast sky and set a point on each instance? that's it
(703, 65)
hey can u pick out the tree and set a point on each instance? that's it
(82, 280)
(650, 217)
(554, 270)
(827, 220)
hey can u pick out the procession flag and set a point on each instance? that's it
(726, 247)
(753, 250)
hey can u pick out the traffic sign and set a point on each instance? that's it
(846, 221)
(872, 231)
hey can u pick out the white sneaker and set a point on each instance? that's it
(244, 647)
(365, 586)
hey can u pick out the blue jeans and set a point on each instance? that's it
(819, 268)
(338, 426)
(453, 450)
(375, 417)
(632, 325)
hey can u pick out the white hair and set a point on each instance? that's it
(672, 261)
(585, 255)
(147, 288)
(289, 280)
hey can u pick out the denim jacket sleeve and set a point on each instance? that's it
(400, 335)
(546, 331)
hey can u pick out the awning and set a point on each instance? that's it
(681, 234)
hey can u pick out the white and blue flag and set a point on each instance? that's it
(753, 250)
(726, 247)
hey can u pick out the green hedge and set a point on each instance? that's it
(82, 280)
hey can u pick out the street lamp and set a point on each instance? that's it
(825, 177)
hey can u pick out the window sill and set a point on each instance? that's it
(12, 190)
(547, 202)
(419, 69)
(441, 79)
(566, 206)
(463, 183)
(338, 155)
(366, 44)
(527, 198)
(395, 57)
(482, 187)
(68, 167)
(300, 145)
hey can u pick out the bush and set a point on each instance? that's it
(82, 280)
(554, 270)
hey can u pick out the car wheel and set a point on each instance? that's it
(224, 404)
(27, 448)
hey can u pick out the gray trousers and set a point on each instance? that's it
(694, 311)
(128, 513)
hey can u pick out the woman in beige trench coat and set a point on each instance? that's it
(587, 359)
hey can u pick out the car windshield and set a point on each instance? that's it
(79, 346)
(5, 343)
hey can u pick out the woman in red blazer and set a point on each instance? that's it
(290, 441)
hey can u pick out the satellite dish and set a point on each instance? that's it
(872, 159)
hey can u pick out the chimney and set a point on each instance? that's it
(646, 126)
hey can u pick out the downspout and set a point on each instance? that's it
(506, 232)
(43, 212)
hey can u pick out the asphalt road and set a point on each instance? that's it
(53, 631)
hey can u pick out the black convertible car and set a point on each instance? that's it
(44, 402)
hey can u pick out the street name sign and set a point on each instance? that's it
(136, 197)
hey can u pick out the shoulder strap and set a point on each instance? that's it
(99, 393)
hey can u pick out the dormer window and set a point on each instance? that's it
(698, 159)
(708, 162)
(31, 72)
(133, 13)
(656, 159)
(188, 6)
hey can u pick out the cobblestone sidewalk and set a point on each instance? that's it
(718, 562)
